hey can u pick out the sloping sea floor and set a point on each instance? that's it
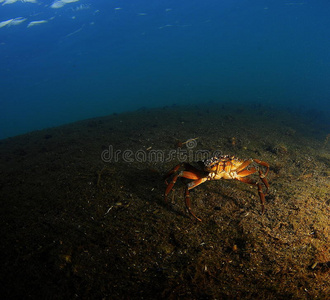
(83, 213)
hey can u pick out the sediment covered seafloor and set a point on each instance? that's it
(83, 213)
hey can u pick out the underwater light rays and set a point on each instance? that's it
(5, 2)
(12, 22)
(61, 3)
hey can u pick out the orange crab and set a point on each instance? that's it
(216, 168)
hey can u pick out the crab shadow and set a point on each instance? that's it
(149, 185)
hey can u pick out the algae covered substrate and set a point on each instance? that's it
(83, 213)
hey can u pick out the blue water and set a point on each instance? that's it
(94, 58)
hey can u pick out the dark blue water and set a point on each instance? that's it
(93, 58)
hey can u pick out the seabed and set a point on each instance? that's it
(83, 213)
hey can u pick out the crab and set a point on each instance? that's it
(216, 168)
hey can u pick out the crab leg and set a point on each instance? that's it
(190, 186)
(184, 174)
(245, 173)
(262, 197)
(244, 165)
(264, 180)
(263, 163)
(260, 192)
(187, 200)
(185, 166)
(195, 183)
(194, 174)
